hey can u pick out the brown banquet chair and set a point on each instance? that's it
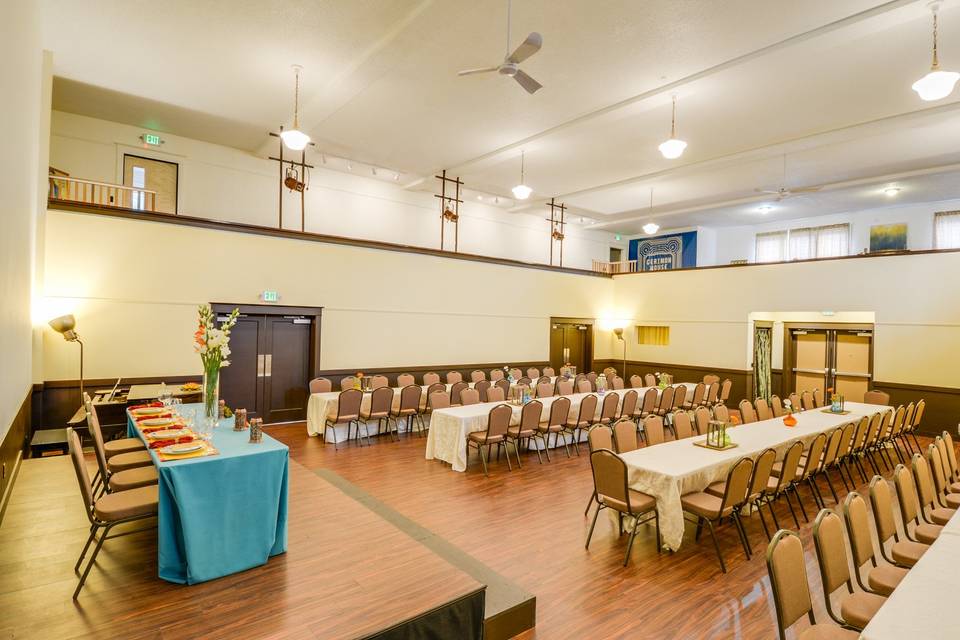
(482, 386)
(128, 477)
(430, 378)
(711, 379)
(455, 390)
(381, 402)
(608, 410)
(616, 382)
(599, 437)
(665, 405)
(496, 374)
(379, 381)
(712, 396)
(321, 385)
(653, 430)
(564, 387)
(649, 380)
(881, 579)
(628, 407)
(649, 405)
(438, 400)
(348, 382)
(556, 424)
(699, 392)
(405, 380)
(876, 397)
(909, 504)
(495, 394)
(477, 376)
(585, 417)
(625, 436)
(584, 386)
(636, 381)
(117, 460)
(763, 409)
(682, 425)
(469, 396)
(725, 388)
(533, 373)
(806, 401)
(527, 429)
(747, 413)
(776, 406)
(549, 372)
(930, 509)
(817, 398)
(504, 385)
(903, 553)
(454, 377)
(545, 389)
(409, 408)
(498, 421)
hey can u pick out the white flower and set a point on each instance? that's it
(787, 404)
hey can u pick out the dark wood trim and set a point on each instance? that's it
(13, 449)
(266, 309)
(239, 227)
(923, 388)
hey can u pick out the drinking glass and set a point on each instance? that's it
(206, 425)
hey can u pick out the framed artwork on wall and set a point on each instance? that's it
(888, 237)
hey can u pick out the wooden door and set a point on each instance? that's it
(832, 357)
(570, 342)
(241, 384)
(851, 370)
(287, 368)
(810, 362)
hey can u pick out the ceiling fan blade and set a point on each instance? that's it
(805, 189)
(527, 82)
(468, 72)
(527, 48)
(771, 191)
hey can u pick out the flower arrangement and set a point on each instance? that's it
(358, 380)
(213, 345)
(788, 419)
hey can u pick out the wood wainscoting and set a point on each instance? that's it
(12, 450)
(742, 379)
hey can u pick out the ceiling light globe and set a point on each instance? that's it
(936, 85)
(295, 140)
(672, 148)
(651, 228)
(521, 192)
(891, 191)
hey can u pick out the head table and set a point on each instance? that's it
(222, 513)
(668, 470)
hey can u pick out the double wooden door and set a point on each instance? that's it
(833, 358)
(273, 359)
(571, 342)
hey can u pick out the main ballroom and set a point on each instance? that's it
(688, 369)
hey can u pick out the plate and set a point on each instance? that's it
(183, 447)
(148, 411)
(167, 434)
(158, 422)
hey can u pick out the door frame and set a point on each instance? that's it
(588, 347)
(787, 378)
(176, 195)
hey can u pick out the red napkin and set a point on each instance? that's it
(175, 425)
(151, 405)
(140, 419)
(156, 444)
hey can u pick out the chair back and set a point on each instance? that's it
(495, 394)
(682, 424)
(600, 436)
(629, 405)
(831, 552)
(625, 436)
(918, 414)
(348, 404)
(564, 387)
(776, 406)
(410, 398)
(436, 386)
(321, 385)
(833, 445)
(951, 454)
(636, 381)
(477, 376)
(924, 481)
(469, 396)
(348, 382)
(481, 386)
(794, 400)
(876, 397)
(559, 412)
(610, 478)
(611, 402)
(83, 476)
(439, 400)
(584, 386)
(747, 414)
(533, 373)
(515, 373)
(616, 382)
(455, 389)
(721, 413)
(737, 485)
(504, 385)
(711, 379)
(873, 431)
(907, 498)
(898, 416)
(817, 398)
(93, 426)
(806, 401)
(653, 430)
(860, 435)
(530, 415)
(763, 409)
(609, 371)
(666, 400)
(814, 453)
(381, 401)
(699, 392)
(881, 504)
(713, 394)
(846, 439)
(788, 580)
(379, 381)
(454, 377)
(549, 372)
(790, 463)
(679, 395)
(650, 397)
(524, 381)
(405, 380)
(762, 470)
(498, 420)
(431, 378)
(701, 419)
(544, 390)
(858, 528)
(725, 387)
(588, 409)
(649, 380)
(937, 471)
(496, 374)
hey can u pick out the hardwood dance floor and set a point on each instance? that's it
(527, 525)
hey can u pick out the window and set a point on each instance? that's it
(805, 243)
(140, 182)
(658, 336)
(946, 230)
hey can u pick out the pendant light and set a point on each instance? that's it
(673, 148)
(937, 84)
(651, 227)
(521, 191)
(294, 139)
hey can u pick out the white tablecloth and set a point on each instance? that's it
(921, 605)
(669, 470)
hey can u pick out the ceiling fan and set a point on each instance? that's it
(786, 192)
(510, 65)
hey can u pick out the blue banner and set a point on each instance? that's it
(663, 253)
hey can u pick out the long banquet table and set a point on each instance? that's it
(449, 428)
(667, 471)
(920, 606)
(223, 513)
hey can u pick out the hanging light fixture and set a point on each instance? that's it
(651, 227)
(521, 191)
(295, 139)
(673, 148)
(937, 84)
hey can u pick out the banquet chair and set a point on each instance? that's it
(477, 376)
(379, 381)
(438, 400)
(682, 425)
(482, 386)
(381, 401)
(842, 460)
(699, 394)
(455, 390)
(701, 420)
(910, 426)
(747, 413)
(584, 386)
(807, 465)
(903, 553)
(857, 445)
(892, 437)
(954, 472)
(592, 379)
(431, 378)
(496, 374)
(498, 421)
(649, 405)
(905, 429)
(469, 396)
(876, 397)
(711, 379)
(108, 511)
(856, 608)
(321, 385)
(117, 460)
(516, 374)
(653, 430)
(348, 382)
(556, 424)
(776, 406)
(610, 485)
(116, 446)
(780, 485)
(409, 409)
(806, 401)
(763, 410)
(636, 381)
(712, 396)
(930, 509)
(504, 385)
(454, 377)
(787, 569)
(564, 387)
(879, 444)
(348, 413)
(721, 413)
(709, 509)
(405, 380)
(868, 448)
(585, 417)
(524, 381)
(828, 461)
(608, 410)
(533, 373)
(725, 388)
(794, 400)
(817, 398)
(629, 405)
(549, 372)
(910, 509)
(124, 479)
(666, 402)
(679, 396)
(600, 436)
(578, 378)
(649, 380)
(762, 469)
(527, 429)
(880, 579)
(624, 436)
(495, 394)
(545, 389)
(935, 459)
(616, 382)
(609, 372)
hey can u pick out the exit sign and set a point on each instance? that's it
(152, 138)
(270, 296)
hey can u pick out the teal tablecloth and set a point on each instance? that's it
(224, 513)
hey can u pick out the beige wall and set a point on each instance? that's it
(134, 287)
(915, 301)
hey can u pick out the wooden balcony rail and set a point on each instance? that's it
(624, 266)
(66, 189)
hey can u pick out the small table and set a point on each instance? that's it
(46, 440)
(145, 392)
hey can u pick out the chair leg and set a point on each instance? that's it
(716, 547)
(506, 450)
(537, 440)
(786, 495)
(633, 534)
(546, 445)
(763, 520)
(93, 529)
(747, 549)
(593, 497)
(773, 513)
(826, 474)
(516, 450)
(594, 524)
(699, 529)
(93, 558)
(915, 441)
(482, 459)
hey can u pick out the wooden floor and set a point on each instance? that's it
(528, 525)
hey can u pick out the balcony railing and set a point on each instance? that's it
(66, 189)
(624, 266)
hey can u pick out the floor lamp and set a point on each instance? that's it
(619, 332)
(64, 325)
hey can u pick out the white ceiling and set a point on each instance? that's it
(825, 82)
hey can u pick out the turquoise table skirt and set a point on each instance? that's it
(221, 514)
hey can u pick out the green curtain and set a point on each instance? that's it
(761, 362)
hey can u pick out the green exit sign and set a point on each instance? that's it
(151, 138)
(270, 296)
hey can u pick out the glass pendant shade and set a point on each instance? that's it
(294, 139)
(651, 228)
(521, 192)
(672, 148)
(936, 84)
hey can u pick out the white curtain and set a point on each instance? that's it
(947, 230)
(803, 244)
(808, 243)
(833, 241)
(771, 247)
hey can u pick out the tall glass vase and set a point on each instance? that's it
(211, 393)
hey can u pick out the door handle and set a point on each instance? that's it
(269, 368)
(260, 365)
